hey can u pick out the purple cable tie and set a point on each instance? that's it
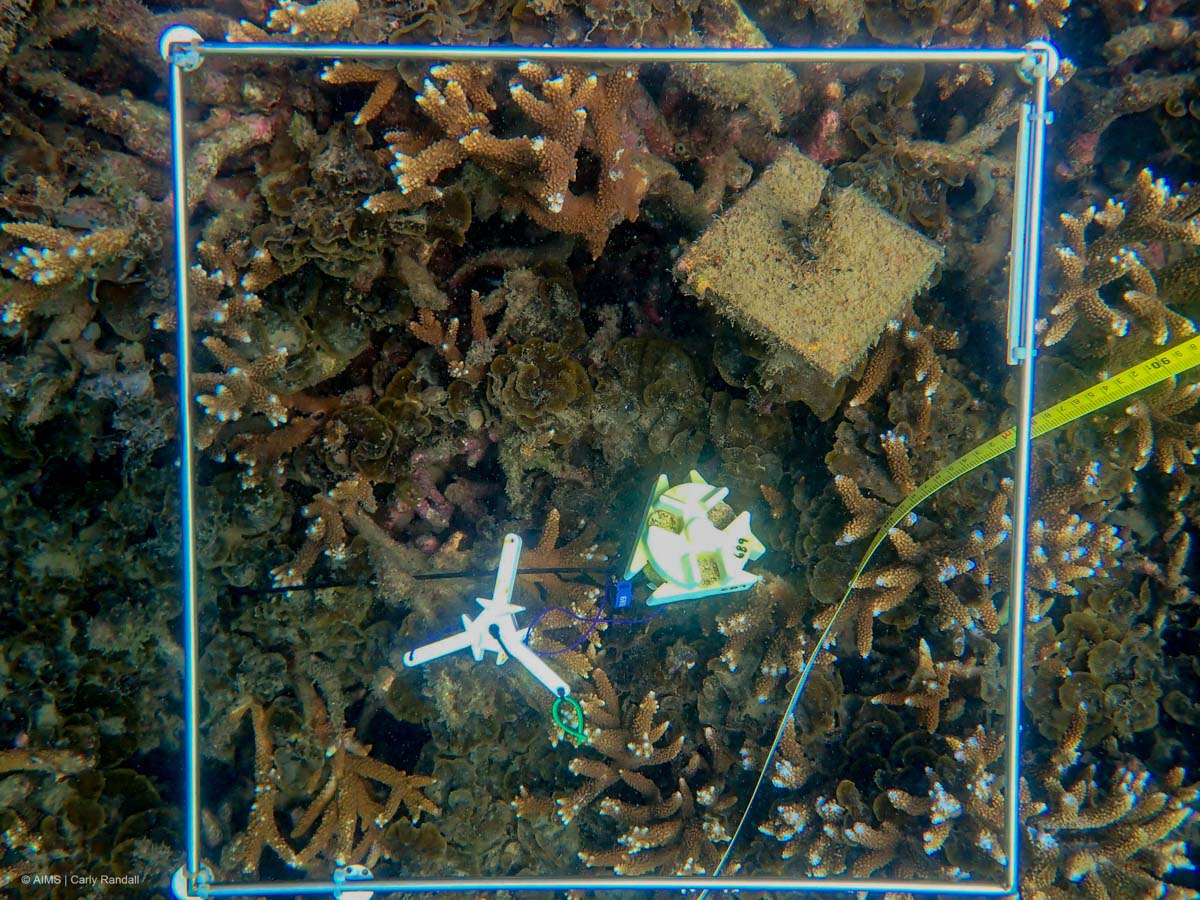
(593, 623)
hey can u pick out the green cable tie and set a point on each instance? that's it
(575, 731)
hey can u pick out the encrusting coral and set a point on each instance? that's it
(540, 387)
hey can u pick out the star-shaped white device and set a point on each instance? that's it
(685, 544)
(495, 629)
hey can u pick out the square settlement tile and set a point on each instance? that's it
(815, 273)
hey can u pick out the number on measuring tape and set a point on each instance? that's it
(1130, 381)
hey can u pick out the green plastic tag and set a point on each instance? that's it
(573, 730)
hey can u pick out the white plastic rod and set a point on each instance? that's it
(438, 649)
(506, 572)
(510, 637)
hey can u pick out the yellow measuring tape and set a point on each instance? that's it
(1136, 378)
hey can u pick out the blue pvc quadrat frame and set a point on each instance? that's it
(1037, 63)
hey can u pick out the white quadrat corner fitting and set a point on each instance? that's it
(495, 629)
(184, 49)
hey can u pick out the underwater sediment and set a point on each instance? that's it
(438, 304)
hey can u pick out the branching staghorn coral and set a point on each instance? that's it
(968, 564)
(985, 22)
(217, 304)
(140, 125)
(55, 256)
(242, 387)
(262, 830)
(458, 108)
(770, 616)
(923, 342)
(929, 686)
(583, 550)
(1078, 837)
(679, 819)
(678, 834)
(228, 307)
(60, 763)
(1154, 56)
(628, 742)
(350, 504)
(1157, 419)
(1164, 34)
(386, 81)
(1107, 836)
(955, 574)
(1117, 845)
(349, 820)
(24, 847)
(575, 112)
(52, 259)
(880, 590)
(577, 601)
(264, 454)
(323, 17)
(231, 174)
(841, 834)
(1068, 542)
(444, 339)
(345, 810)
(455, 22)
(1148, 213)
(793, 768)
(326, 531)
(865, 512)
